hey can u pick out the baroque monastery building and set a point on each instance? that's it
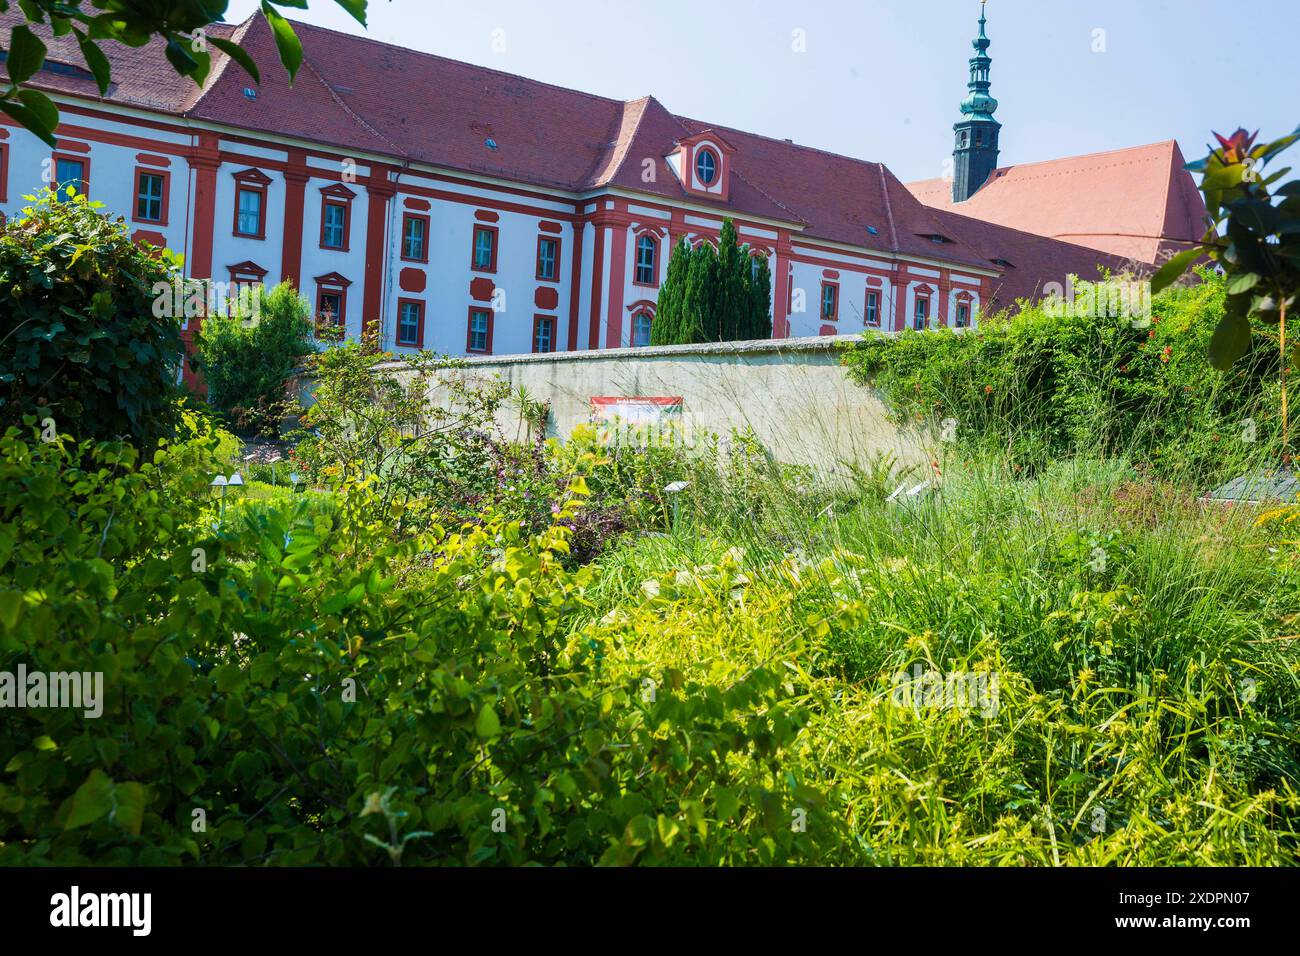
(469, 211)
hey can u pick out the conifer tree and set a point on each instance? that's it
(667, 325)
(732, 288)
(759, 294)
(697, 320)
(713, 295)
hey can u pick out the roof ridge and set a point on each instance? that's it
(365, 38)
(595, 179)
(777, 139)
(766, 195)
(889, 207)
(357, 117)
(219, 70)
(1052, 162)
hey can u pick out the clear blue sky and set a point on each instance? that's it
(881, 79)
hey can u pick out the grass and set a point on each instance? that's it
(1135, 648)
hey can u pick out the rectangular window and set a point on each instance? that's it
(334, 225)
(415, 237)
(647, 249)
(544, 333)
(922, 316)
(329, 308)
(548, 258)
(70, 172)
(830, 301)
(485, 249)
(480, 331)
(963, 315)
(410, 322)
(249, 217)
(150, 197)
(871, 315)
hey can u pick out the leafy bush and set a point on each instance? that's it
(83, 342)
(311, 688)
(1039, 386)
(248, 364)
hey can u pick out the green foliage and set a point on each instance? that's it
(1134, 650)
(85, 342)
(667, 326)
(1253, 237)
(181, 23)
(713, 295)
(248, 364)
(427, 435)
(1041, 385)
(310, 688)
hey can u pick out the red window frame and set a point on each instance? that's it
(244, 274)
(632, 328)
(554, 323)
(419, 335)
(717, 166)
(332, 284)
(636, 261)
(469, 330)
(82, 158)
(866, 307)
(495, 232)
(821, 302)
(166, 194)
(921, 295)
(339, 196)
(555, 240)
(4, 172)
(255, 181)
(407, 217)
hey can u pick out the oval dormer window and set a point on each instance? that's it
(706, 166)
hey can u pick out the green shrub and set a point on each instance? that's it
(308, 687)
(87, 341)
(248, 364)
(1039, 386)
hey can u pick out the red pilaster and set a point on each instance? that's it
(380, 189)
(597, 279)
(295, 181)
(781, 295)
(617, 282)
(945, 287)
(204, 159)
(899, 280)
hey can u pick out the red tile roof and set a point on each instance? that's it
(356, 93)
(1138, 202)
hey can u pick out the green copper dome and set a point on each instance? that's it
(978, 104)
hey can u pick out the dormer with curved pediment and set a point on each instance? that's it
(702, 164)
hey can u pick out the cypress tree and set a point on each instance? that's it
(667, 326)
(730, 290)
(697, 299)
(713, 295)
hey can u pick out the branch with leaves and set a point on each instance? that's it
(1253, 236)
(183, 24)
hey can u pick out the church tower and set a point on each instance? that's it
(975, 154)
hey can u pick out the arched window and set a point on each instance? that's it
(706, 166)
(641, 323)
(647, 256)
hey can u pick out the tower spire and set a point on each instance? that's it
(975, 154)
